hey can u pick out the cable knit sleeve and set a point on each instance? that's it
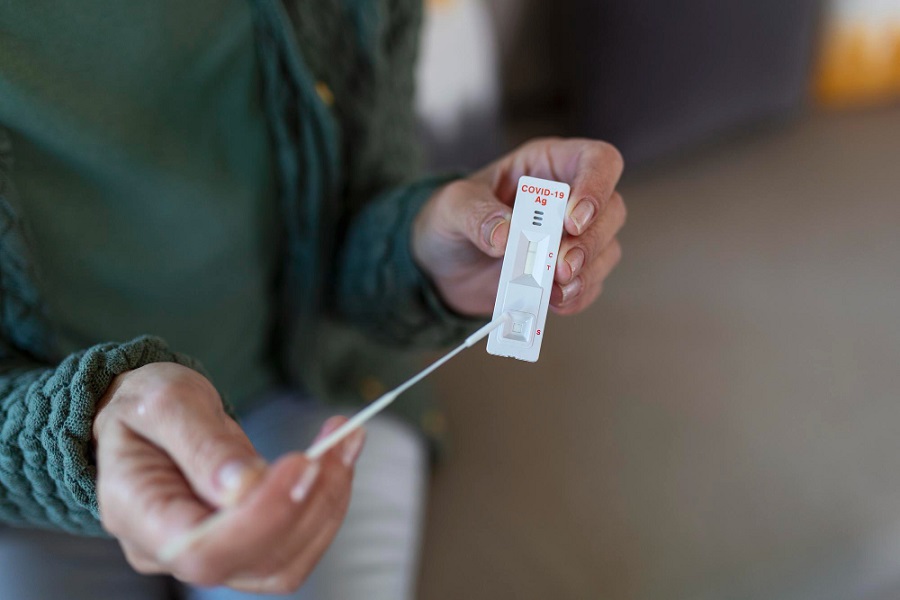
(47, 471)
(47, 406)
(381, 289)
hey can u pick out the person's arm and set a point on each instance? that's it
(47, 472)
(132, 439)
(47, 407)
(379, 287)
(420, 257)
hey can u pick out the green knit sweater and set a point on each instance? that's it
(338, 79)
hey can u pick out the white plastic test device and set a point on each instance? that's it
(526, 277)
(516, 330)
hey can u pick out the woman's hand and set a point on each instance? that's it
(169, 457)
(459, 237)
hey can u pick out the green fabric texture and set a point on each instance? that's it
(351, 300)
(46, 474)
(158, 147)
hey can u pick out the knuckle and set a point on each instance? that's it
(207, 448)
(473, 225)
(610, 155)
(619, 203)
(597, 239)
(168, 393)
(548, 140)
(162, 398)
(140, 563)
(616, 251)
(110, 498)
(540, 142)
(458, 200)
(112, 523)
(461, 190)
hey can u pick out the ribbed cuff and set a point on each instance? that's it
(449, 325)
(380, 288)
(58, 429)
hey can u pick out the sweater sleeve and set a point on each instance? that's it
(47, 471)
(379, 287)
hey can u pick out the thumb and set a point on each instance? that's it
(218, 461)
(209, 448)
(481, 217)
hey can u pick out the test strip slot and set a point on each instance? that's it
(529, 264)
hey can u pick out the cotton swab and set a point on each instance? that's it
(328, 442)
(181, 543)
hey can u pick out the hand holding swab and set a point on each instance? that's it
(181, 543)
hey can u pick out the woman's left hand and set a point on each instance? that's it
(459, 237)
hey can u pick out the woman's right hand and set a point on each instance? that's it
(168, 457)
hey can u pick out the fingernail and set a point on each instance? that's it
(582, 213)
(571, 290)
(305, 483)
(352, 448)
(490, 228)
(575, 260)
(236, 477)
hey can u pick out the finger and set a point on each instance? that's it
(598, 169)
(582, 250)
(592, 167)
(244, 536)
(584, 289)
(209, 448)
(473, 212)
(263, 523)
(144, 500)
(311, 537)
(290, 576)
(141, 561)
(177, 544)
(185, 540)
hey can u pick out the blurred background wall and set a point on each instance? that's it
(724, 422)
(652, 77)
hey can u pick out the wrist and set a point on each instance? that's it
(108, 397)
(419, 234)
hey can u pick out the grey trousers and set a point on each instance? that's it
(374, 556)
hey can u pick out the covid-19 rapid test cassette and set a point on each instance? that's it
(526, 277)
(516, 330)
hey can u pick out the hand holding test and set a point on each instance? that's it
(516, 330)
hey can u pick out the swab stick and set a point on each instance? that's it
(328, 442)
(181, 543)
